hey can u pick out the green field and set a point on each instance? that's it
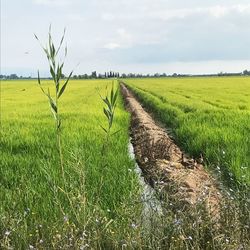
(98, 205)
(36, 204)
(208, 116)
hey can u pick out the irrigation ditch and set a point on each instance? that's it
(176, 178)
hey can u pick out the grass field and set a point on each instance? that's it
(208, 116)
(38, 207)
(98, 204)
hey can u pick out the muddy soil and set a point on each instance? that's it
(165, 166)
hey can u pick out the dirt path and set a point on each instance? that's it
(165, 166)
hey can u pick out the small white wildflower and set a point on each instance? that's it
(40, 241)
(190, 238)
(7, 233)
(227, 241)
(177, 222)
(65, 218)
(84, 246)
(96, 220)
(31, 247)
(133, 225)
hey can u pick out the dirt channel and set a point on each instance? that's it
(165, 166)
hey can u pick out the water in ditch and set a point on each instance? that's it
(152, 209)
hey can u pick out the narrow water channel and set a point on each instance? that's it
(151, 205)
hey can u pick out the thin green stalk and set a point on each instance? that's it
(109, 112)
(56, 69)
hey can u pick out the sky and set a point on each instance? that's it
(140, 36)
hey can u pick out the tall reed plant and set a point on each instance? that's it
(56, 72)
(110, 101)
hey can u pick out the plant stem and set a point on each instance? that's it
(58, 132)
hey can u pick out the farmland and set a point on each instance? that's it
(208, 117)
(98, 203)
(38, 207)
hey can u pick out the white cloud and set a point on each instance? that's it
(112, 46)
(121, 39)
(75, 17)
(104, 33)
(217, 11)
(243, 8)
(52, 2)
(108, 16)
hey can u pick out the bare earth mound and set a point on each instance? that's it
(165, 165)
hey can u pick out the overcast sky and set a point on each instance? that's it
(143, 36)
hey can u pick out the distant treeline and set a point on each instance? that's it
(13, 76)
(112, 74)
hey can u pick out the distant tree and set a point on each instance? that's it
(13, 76)
(93, 74)
(246, 72)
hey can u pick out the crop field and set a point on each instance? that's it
(38, 207)
(96, 201)
(208, 117)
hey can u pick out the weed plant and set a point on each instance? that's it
(56, 71)
(109, 112)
